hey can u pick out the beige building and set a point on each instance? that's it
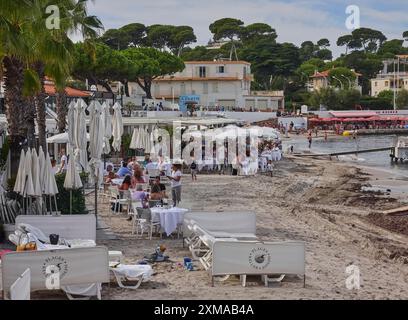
(321, 80)
(217, 83)
(391, 78)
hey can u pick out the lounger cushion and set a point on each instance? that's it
(133, 271)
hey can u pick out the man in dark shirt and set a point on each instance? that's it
(158, 191)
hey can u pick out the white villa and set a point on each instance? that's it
(217, 84)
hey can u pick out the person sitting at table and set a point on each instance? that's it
(137, 177)
(140, 195)
(126, 184)
(124, 170)
(132, 162)
(158, 191)
(150, 165)
(110, 174)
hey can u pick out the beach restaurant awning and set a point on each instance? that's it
(353, 114)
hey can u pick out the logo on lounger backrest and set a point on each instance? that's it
(259, 258)
(54, 269)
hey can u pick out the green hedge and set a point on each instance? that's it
(63, 197)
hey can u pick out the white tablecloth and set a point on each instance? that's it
(169, 218)
(117, 181)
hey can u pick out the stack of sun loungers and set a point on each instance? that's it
(226, 244)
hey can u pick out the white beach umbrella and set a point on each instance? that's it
(80, 135)
(28, 177)
(71, 121)
(72, 178)
(107, 124)
(41, 161)
(50, 185)
(148, 141)
(19, 184)
(117, 127)
(140, 138)
(35, 173)
(96, 133)
(134, 143)
(62, 138)
(7, 172)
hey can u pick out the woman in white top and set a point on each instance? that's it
(176, 184)
(64, 161)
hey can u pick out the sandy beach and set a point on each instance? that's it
(316, 201)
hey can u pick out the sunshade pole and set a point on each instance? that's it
(70, 201)
(55, 201)
(96, 197)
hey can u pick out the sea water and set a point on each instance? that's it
(379, 159)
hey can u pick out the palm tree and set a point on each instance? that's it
(23, 39)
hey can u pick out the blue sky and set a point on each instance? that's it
(294, 20)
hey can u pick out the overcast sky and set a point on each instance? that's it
(294, 20)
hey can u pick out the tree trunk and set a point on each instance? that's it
(15, 108)
(62, 111)
(126, 85)
(148, 90)
(40, 108)
(29, 121)
(146, 86)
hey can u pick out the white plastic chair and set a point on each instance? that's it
(119, 198)
(144, 222)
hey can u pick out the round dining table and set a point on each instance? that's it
(169, 218)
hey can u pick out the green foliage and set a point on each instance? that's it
(126, 140)
(389, 49)
(4, 151)
(365, 63)
(258, 31)
(150, 63)
(227, 28)
(64, 197)
(129, 35)
(387, 95)
(373, 103)
(344, 76)
(32, 83)
(402, 99)
(335, 99)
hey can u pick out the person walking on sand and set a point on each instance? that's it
(193, 168)
(310, 140)
(325, 136)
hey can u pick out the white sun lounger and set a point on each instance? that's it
(81, 266)
(257, 258)
(81, 226)
(20, 289)
(124, 273)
